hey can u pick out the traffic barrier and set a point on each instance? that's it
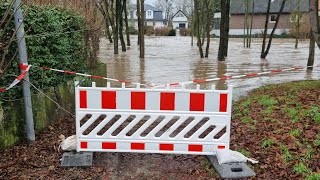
(177, 121)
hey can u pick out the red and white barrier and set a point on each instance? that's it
(25, 68)
(181, 121)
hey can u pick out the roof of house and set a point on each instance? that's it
(237, 7)
(157, 16)
(146, 7)
(177, 13)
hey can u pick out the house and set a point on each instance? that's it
(152, 16)
(179, 20)
(237, 16)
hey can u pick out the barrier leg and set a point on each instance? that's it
(231, 170)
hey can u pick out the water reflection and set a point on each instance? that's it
(173, 59)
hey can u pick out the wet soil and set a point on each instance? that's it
(278, 157)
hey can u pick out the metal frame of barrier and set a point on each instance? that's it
(175, 121)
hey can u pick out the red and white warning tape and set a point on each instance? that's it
(25, 68)
(233, 77)
(91, 76)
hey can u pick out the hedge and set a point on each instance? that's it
(55, 38)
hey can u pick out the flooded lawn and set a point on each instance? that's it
(173, 59)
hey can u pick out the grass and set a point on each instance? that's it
(292, 113)
(267, 143)
(285, 153)
(267, 101)
(314, 176)
(295, 132)
(244, 152)
(300, 168)
(314, 113)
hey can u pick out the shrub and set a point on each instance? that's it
(55, 38)
(132, 30)
(172, 32)
(148, 30)
(162, 31)
(185, 32)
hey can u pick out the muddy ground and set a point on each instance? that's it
(277, 125)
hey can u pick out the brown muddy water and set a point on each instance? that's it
(173, 59)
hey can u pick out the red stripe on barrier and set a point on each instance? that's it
(199, 81)
(225, 77)
(166, 147)
(276, 71)
(21, 76)
(138, 100)
(196, 102)
(109, 145)
(223, 102)
(97, 77)
(2, 89)
(299, 67)
(221, 147)
(23, 66)
(195, 148)
(137, 146)
(69, 72)
(251, 75)
(109, 99)
(83, 99)
(83, 145)
(167, 101)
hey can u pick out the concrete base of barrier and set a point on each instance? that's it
(72, 159)
(231, 170)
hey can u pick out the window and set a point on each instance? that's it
(154, 23)
(146, 23)
(273, 18)
(149, 13)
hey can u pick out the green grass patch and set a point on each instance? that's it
(295, 132)
(292, 113)
(267, 143)
(314, 113)
(268, 111)
(267, 101)
(300, 168)
(314, 176)
(286, 153)
(247, 120)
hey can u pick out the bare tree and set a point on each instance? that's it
(197, 26)
(314, 21)
(140, 14)
(126, 22)
(311, 51)
(265, 51)
(224, 30)
(208, 25)
(120, 14)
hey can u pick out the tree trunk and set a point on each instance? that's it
(265, 30)
(264, 55)
(126, 22)
(297, 24)
(123, 44)
(142, 29)
(311, 51)
(208, 27)
(139, 22)
(226, 37)
(314, 21)
(116, 30)
(197, 23)
(221, 55)
(251, 24)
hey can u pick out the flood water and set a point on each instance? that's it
(173, 59)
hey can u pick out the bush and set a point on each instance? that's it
(148, 30)
(172, 32)
(133, 30)
(185, 32)
(55, 38)
(162, 31)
